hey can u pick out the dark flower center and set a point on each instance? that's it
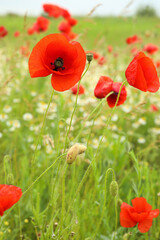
(58, 63)
(115, 93)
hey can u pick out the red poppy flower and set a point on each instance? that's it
(101, 60)
(3, 31)
(64, 27)
(133, 39)
(103, 87)
(16, 34)
(41, 24)
(9, 195)
(140, 213)
(154, 108)
(150, 48)
(25, 50)
(65, 13)
(134, 51)
(72, 21)
(70, 35)
(158, 64)
(141, 73)
(95, 55)
(110, 48)
(113, 97)
(31, 31)
(55, 55)
(52, 10)
(75, 88)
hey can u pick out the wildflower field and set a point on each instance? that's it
(86, 156)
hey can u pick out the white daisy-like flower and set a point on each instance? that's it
(30, 139)
(155, 131)
(42, 106)
(16, 100)
(1, 135)
(141, 140)
(3, 117)
(13, 123)
(114, 117)
(126, 108)
(7, 109)
(122, 139)
(33, 93)
(142, 121)
(27, 117)
(49, 149)
(157, 120)
(33, 146)
(136, 125)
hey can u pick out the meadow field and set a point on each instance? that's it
(82, 200)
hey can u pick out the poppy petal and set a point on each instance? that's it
(62, 83)
(125, 218)
(154, 213)
(9, 195)
(140, 205)
(145, 225)
(141, 74)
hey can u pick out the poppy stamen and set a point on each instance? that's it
(58, 63)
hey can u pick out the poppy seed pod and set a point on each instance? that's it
(74, 151)
(114, 188)
(89, 57)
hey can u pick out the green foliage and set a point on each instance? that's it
(147, 11)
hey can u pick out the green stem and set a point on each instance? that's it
(94, 110)
(44, 173)
(40, 135)
(110, 170)
(75, 106)
(63, 199)
(116, 217)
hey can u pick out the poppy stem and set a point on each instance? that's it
(43, 173)
(40, 135)
(74, 107)
(89, 116)
(110, 170)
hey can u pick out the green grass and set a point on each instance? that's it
(68, 200)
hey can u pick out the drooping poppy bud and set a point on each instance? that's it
(114, 188)
(74, 151)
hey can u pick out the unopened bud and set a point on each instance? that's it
(89, 57)
(126, 236)
(72, 234)
(10, 179)
(74, 151)
(119, 202)
(114, 188)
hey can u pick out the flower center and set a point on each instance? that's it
(115, 93)
(58, 63)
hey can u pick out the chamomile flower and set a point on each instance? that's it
(3, 117)
(141, 140)
(27, 117)
(7, 109)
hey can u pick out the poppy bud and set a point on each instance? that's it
(89, 57)
(10, 179)
(74, 151)
(126, 236)
(114, 188)
(119, 202)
